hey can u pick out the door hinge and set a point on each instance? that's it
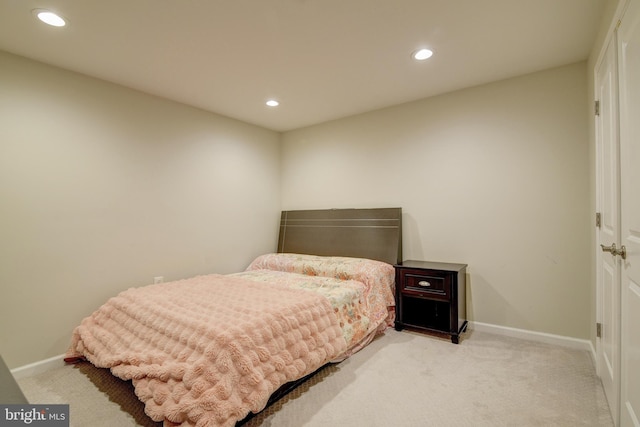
(597, 108)
(598, 219)
(599, 330)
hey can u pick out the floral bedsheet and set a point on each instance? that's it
(361, 291)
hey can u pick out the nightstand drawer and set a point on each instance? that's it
(425, 283)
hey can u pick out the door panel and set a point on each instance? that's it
(629, 86)
(609, 352)
(608, 286)
(630, 411)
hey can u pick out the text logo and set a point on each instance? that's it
(34, 415)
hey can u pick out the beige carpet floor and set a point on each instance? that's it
(402, 379)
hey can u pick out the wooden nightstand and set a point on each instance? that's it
(431, 297)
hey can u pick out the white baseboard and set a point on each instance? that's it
(560, 340)
(592, 351)
(580, 344)
(38, 367)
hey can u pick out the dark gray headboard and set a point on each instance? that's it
(361, 233)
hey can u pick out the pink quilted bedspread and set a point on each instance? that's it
(194, 360)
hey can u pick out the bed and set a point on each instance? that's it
(213, 349)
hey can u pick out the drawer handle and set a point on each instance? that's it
(424, 283)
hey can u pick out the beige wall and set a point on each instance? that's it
(496, 176)
(103, 188)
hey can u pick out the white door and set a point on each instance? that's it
(629, 87)
(608, 270)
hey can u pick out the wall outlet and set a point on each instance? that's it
(158, 279)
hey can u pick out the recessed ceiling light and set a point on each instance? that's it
(272, 103)
(49, 17)
(422, 54)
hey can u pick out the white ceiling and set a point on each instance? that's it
(322, 59)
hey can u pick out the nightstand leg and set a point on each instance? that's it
(456, 338)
